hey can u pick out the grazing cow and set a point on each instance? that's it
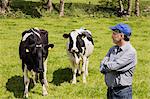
(79, 48)
(33, 51)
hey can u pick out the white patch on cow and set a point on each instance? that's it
(26, 81)
(82, 30)
(45, 85)
(26, 36)
(40, 45)
(44, 90)
(36, 33)
(74, 75)
(74, 35)
(33, 76)
(45, 71)
(89, 47)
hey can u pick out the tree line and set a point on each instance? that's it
(123, 11)
(128, 11)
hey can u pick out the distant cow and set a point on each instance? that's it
(33, 51)
(79, 47)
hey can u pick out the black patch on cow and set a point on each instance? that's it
(84, 50)
(89, 37)
(37, 49)
(77, 53)
(66, 35)
(80, 43)
(70, 43)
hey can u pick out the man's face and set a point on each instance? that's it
(117, 37)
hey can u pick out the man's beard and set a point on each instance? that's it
(116, 41)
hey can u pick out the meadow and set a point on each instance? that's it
(59, 73)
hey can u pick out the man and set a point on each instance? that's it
(119, 63)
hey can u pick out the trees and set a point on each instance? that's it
(137, 8)
(4, 6)
(128, 11)
(61, 13)
(121, 6)
(125, 6)
(129, 7)
(49, 5)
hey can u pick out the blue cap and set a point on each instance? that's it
(124, 28)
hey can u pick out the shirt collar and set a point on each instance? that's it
(126, 46)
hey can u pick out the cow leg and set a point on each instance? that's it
(26, 81)
(84, 69)
(44, 87)
(74, 68)
(34, 77)
(74, 75)
(45, 71)
(79, 70)
(44, 90)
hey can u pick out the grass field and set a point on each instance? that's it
(59, 70)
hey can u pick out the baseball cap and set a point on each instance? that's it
(123, 28)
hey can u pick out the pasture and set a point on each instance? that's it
(59, 73)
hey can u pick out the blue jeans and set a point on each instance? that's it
(119, 93)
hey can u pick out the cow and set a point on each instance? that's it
(33, 51)
(79, 47)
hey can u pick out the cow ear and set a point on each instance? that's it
(50, 45)
(65, 35)
(24, 33)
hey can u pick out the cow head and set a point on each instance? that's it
(75, 41)
(34, 49)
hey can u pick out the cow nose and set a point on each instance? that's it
(74, 50)
(40, 70)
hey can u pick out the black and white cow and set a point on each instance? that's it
(33, 51)
(79, 47)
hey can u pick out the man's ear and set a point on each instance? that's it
(122, 35)
(66, 35)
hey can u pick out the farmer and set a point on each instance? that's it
(119, 63)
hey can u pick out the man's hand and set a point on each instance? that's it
(102, 69)
(103, 65)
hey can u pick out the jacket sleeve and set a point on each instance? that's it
(124, 63)
(102, 65)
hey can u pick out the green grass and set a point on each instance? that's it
(59, 70)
